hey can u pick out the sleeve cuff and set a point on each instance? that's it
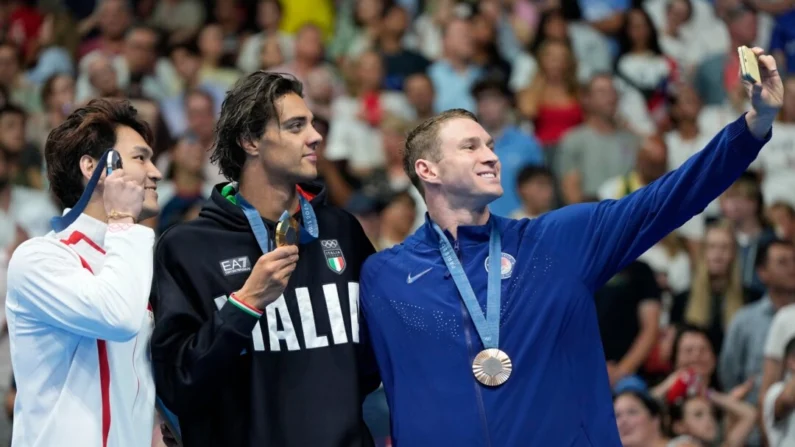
(251, 310)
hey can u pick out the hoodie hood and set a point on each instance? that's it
(221, 206)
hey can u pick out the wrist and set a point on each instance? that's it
(122, 221)
(248, 301)
(120, 217)
(759, 124)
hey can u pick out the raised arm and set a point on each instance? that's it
(609, 235)
(743, 413)
(47, 282)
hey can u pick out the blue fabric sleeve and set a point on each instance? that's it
(605, 237)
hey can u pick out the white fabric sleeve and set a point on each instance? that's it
(47, 282)
(772, 428)
(782, 329)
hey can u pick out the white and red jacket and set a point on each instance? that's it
(79, 327)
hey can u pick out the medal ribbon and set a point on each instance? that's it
(487, 326)
(60, 223)
(260, 231)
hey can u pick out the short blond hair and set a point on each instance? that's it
(423, 142)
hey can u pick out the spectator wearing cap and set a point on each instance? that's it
(779, 402)
(455, 74)
(514, 147)
(597, 150)
(536, 187)
(742, 356)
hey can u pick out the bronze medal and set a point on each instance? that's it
(287, 232)
(492, 367)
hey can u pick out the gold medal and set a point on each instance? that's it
(287, 232)
(492, 367)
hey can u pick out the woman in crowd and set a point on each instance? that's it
(552, 102)
(716, 292)
(639, 420)
(696, 416)
(642, 63)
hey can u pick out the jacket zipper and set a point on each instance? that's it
(466, 320)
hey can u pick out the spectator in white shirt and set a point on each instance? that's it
(779, 403)
(355, 135)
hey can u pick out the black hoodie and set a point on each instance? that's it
(297, 375)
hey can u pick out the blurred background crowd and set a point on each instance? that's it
(587, 100)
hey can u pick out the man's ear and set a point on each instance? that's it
(250, 145)
(427, 171)
(87, 166)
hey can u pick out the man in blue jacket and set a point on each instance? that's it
(482, 343)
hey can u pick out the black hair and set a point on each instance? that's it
(530, 172)
(682, 330)
(652, 406)
(89, 130)
(246, 111)
(764, 251)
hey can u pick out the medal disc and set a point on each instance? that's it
(287, 232)
(492, 367)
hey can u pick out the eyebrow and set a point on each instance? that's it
(145, 150)
(471, 140)
(297, 119)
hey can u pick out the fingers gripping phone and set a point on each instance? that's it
(113, 162)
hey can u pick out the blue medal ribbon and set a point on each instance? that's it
(308, 230)
(487, 326)
(60, 223)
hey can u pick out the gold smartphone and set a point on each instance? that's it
(749, 67)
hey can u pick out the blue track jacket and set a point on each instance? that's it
(558, 394)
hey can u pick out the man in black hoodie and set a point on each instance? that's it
(252, 349)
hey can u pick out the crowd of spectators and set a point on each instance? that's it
(586, 99)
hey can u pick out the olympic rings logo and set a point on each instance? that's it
(329, 244)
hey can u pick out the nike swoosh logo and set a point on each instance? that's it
(411, 279)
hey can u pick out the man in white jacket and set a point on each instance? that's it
(77, 301)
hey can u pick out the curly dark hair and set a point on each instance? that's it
(89, 130)
(246, 111)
